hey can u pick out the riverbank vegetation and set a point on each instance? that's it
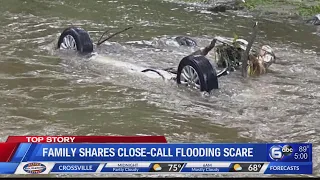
(302, 7)
(294, 7)
(309, 10)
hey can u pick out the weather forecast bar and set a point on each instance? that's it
(87, 139)
(46, 158)
(159, 167)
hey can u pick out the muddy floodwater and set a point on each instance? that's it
(47, 92)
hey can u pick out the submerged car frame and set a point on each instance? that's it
(194, 70)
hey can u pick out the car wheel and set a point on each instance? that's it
(76, 39)
(197, 72)
(186, 41)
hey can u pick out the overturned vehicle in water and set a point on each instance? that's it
(194, 70)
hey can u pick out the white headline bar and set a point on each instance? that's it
(126, 164)
(207, 164)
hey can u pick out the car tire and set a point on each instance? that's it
(186, 41)
(74, 38)
(207, 77)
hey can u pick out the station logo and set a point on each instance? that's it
(277, 152)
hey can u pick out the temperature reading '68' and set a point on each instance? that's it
(254, 167)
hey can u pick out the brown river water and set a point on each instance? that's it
(46, 92)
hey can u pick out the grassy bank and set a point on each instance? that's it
(281, 7)
(309, 10)
(302, 7)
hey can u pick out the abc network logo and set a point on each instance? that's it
(278, 152)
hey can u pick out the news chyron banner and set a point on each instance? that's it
(148, 154)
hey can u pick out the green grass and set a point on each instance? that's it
(308, 10)
(252, 4)
(301, 8)
(195, 1)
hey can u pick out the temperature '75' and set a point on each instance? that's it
(174, 167)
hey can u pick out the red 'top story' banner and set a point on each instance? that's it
(8, 148)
